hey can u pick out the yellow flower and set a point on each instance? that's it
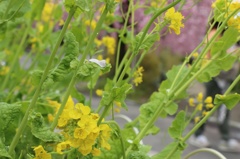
(196, 119)
(153, 4)
(200, 97)
(204, 113)
(47, 11)
(62, 146)
(99, 92)
(175, 19)
(63, 119)
(40, 153)
(208, 100)
(110, 43)
(209, 106)
(195, 55)
(199, 106)
(98, 43)
(4, 70)
(50, 117)
(85, 110)
(92, 23)
(191, 102)
(70, 103)
(96, 152)
(137, 80)
(137, 76)
(80, 133)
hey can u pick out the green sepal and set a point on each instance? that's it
(230, 100)
(40, 130)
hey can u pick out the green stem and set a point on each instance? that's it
(104, 113)
(23, 123)
(205, 118)
(123, 62)
(216, 153)
(8, 8)
(145, 30)
(16, 56)
(86, 52)
(63, 103)
(119, 133)
(94, 34)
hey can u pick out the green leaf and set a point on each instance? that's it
(228, 39)
(83, 5)
(8, 113)
(177, 127)
(171, 109)
(114, 152)
(147, 42)
(115, 93)
(171, 79)
(64, 67)
(79, 96)
(41, 131)
(138, 155)
(167, 150)
(230, 100)
(36, 77)
(3, 150)
(215, 67)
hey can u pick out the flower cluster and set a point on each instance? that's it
(225, 7)
(137, 76)
(175, 19)
(110, 44)
(199, 103)
(40, 153)
(80, 129)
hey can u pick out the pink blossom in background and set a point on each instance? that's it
(194, 30)
(196, 17)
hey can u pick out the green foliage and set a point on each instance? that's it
(115, 93)
(3, 150)
(178, 125)
(147, 42)
(114, 152)
(166, 151)
(214, 68)
(37, 7)
(71, 51)
(41, 131)
(230, 100)
(174, 77)
(10, 10)
(140, 153)
(8, 113)
(228, 39)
